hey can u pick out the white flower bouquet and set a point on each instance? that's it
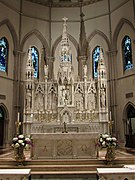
(21, 141)
(106, 140)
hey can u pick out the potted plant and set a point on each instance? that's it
(109, 142)
(20, 142)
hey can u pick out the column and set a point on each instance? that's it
(112, 85)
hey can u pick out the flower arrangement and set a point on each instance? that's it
(21, 141)
(106, 140)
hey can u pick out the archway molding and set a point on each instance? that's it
(118, 29)
(12, 31)
(100, 33)
(39, 36)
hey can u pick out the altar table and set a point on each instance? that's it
(64, 145)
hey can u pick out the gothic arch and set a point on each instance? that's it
(58, 40)
(12, 31)
(125, 109)
(5, 124)
(118, 29)
(39, 36)
(95, 32)
(127, 120)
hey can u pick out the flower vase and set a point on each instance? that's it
(19, 155)
(110, 155)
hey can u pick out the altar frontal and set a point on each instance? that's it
(64, 145)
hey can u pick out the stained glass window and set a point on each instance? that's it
(35, 60)
(4, 48)
(127, 53)
(95, 57)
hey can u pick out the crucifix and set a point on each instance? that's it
(18, 124)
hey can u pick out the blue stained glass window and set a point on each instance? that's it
(35, 60)
(4, 48)
(127, 53)
(95, 57)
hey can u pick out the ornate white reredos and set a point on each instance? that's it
(81, 104)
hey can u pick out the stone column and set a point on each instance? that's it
(18, 84)
(112, 85)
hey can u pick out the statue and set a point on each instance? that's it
(85, 70)
(46, 70)
(28, 99)
(103, 98)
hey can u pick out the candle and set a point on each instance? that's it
(18, 116)
(110, 115)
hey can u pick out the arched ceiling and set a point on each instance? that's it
(64, 3)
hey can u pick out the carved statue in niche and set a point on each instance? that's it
(39, 102)
(79, 102)
(85, 70)
(103, 97)
(46, 70)
(54, 101)
(91, 101)
(28, 99)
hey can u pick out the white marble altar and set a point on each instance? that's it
(115, 173)
(80, 102)
(64, 145)
(15, 174)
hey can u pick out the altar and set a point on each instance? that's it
(64, 145)
(79, 102)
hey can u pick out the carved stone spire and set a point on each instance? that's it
(29, 60)
(83, 45)
(65, 48)
(29, 70)
(101, 66)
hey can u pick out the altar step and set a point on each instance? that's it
(65, 166)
